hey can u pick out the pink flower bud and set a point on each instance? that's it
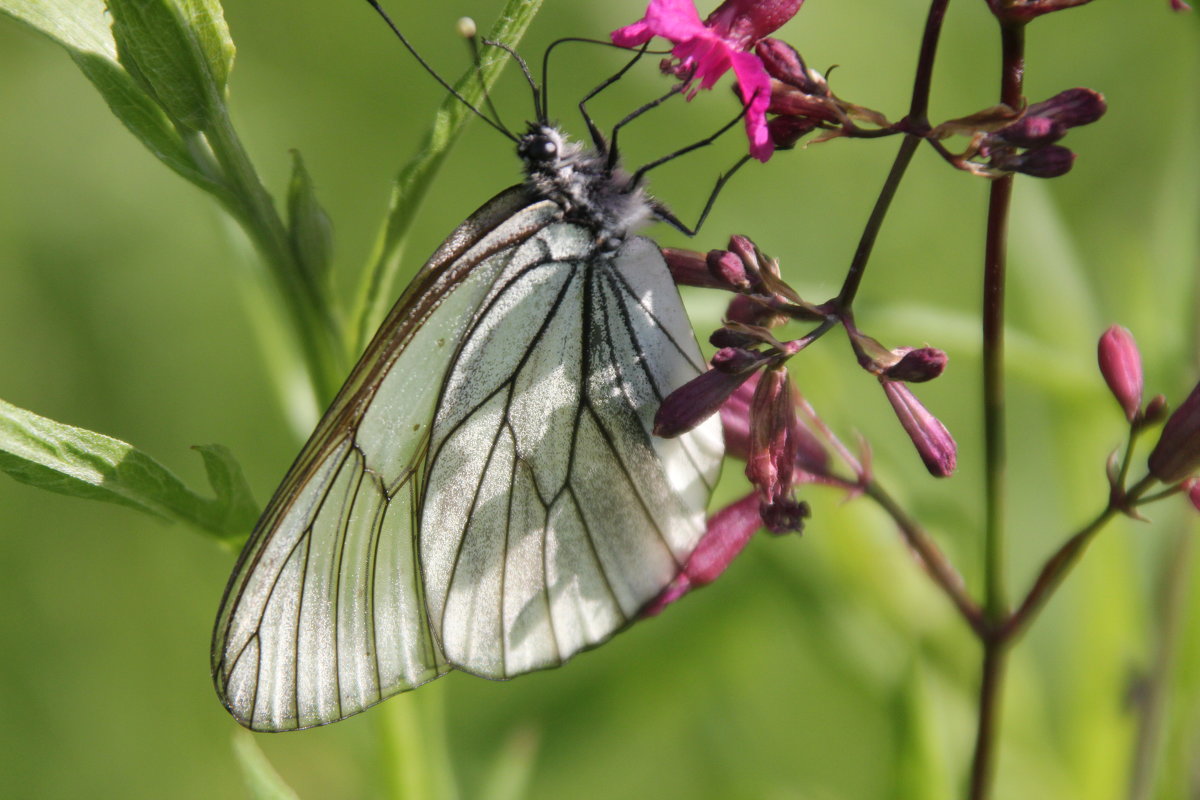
(737, 360)
(1032, 131)
(695, 401)
(728, 532)
(786, 131)
(1177, 453)
(728, 271)
(917, 366)
(735, 419)
(1121, 366)
(1179, 5)
(783, 63)
(1192, 487)
(1071, 107)
(689, 268)
(772, 459)
(1156, 410)
(1051, 161)
(934, 443)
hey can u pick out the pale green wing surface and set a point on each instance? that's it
(551, 515)
(325, 613)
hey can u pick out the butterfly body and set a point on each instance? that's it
(484, 493)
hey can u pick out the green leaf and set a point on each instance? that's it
(167, 56)
(82, 28)
(414, 179)
(309, 228)
(81, 463)
(206, 21)
(262, 781)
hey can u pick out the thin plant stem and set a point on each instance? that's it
(1059, 565)
(918, 125)
(1176, 571)
(995, 648)
(934, 561)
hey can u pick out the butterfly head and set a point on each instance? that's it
(581, 181)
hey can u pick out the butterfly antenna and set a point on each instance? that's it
(425, 65)
(572, 39)
(539, 109)
(466, 29)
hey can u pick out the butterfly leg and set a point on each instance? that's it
(663, 213)
(597, 137)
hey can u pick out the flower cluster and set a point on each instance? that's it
(1029, 144)
(706, 50)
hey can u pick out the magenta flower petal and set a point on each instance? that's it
(676, 20)
(755, 86)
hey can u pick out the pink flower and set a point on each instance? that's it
(707, 50)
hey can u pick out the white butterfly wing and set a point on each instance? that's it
(503, 410)
(551, 514)
(324, 614)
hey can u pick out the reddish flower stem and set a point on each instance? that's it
(936, 564)
(995, 648)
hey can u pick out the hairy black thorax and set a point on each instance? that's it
(581, 182)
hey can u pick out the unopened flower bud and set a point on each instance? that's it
(689, 268)
(771, 461)
(1193, 492)
(934, 443)
(729, 271)
(695, 401)
(1071, 108)
(736, 360)
(917, 366)
(1156, 410)
(1179, 5)
(727, 533)
(1031, 131)
(1177, 453)
(751, 311)
(729, 337)
(786, 131)
(1121, 366)
(783, 63)
(1043, 162)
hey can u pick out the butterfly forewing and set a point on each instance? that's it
(325, 614)
(549, 517)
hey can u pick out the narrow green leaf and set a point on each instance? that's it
(81, 463)
(82, 28)
(78, 25)
(309, 228)
(206, 20)
(162, 52)
(262, 781)
(414, 179)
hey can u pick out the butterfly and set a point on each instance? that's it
(484, 493)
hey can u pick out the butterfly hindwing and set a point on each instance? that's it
(551, 515)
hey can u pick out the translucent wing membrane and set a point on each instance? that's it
(484, 493)
(551, 515)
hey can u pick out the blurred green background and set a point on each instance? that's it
(821, 666)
